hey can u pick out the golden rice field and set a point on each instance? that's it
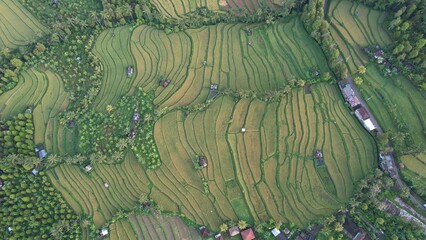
(194, 59)
(17, 26)
(266, 172)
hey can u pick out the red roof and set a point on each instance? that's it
(363, 113)
(248, 234)
(233, 231)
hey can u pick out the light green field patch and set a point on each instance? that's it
(17, 26)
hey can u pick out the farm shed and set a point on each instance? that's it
(233, 231)
(41, 152)
(204, 231)
(202, 161)
(88, 168)
(129, 71)
(103, 232)
(218, 237)
(248, 234)
(278, 234)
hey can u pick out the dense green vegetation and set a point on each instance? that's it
(32, 207)
(17, 136)
(128, 124)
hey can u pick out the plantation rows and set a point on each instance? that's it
(396, 103)
(17, 26)
(152, 227)
(177, 9)
(266, 172)
(194, 59)
(44, 92)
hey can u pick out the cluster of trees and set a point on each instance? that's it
(367, 209)
(408, 27)
(17, 135)
(30, 206)
(110, 134)
(318, 27)
(12, 62)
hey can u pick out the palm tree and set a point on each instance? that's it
(242, 224)
(223, 227)
(147, 118)
(52, 160)
(127, 10)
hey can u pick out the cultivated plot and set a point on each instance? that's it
(178, 9)
(225, 54)
(139, 226)
(17, 26)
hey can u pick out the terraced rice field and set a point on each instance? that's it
(152, 227)
(87, 195)
(415, 163)
(386, 96)
(278, 54)
(17, 26)
(44, 91)
(178, 9)
(266, 172)
(415, 171)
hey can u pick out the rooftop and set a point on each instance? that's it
(248, 234)
(233, 231)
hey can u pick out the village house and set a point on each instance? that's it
(362, 114)
(41, 152)
(233, 231)
(248, 234)
(353, 231)
(349, 95)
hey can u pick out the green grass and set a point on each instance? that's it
(278, 54)
(17, 26)
(44, 91)
(395, 102)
